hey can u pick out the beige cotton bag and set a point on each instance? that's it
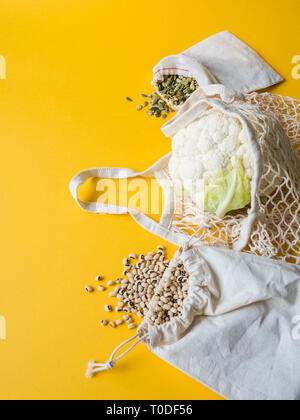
(238, 333)
(220, 59)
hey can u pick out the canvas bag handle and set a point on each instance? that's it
(160, 229)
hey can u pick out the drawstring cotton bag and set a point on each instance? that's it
(236, 334)
(220, 59)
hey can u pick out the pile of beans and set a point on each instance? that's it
(169, 297)
(140, 291)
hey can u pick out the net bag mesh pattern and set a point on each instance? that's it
(276, 230)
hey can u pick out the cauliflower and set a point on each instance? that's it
(213, 162)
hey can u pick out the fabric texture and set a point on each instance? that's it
(220, 59)
(235, 334)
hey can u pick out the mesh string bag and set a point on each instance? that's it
(271, 227)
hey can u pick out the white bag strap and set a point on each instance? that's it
(160, 229)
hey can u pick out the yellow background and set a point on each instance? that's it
(69, 66)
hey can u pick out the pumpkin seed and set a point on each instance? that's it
(177, 89)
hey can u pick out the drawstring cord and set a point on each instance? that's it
(205, 228)
(94, 367)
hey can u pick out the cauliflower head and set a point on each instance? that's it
(212, 163)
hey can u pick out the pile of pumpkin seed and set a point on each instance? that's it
(155, 105)
(140, 292)
(177, 89)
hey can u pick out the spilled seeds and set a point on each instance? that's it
(141, 292)
(155, 107)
